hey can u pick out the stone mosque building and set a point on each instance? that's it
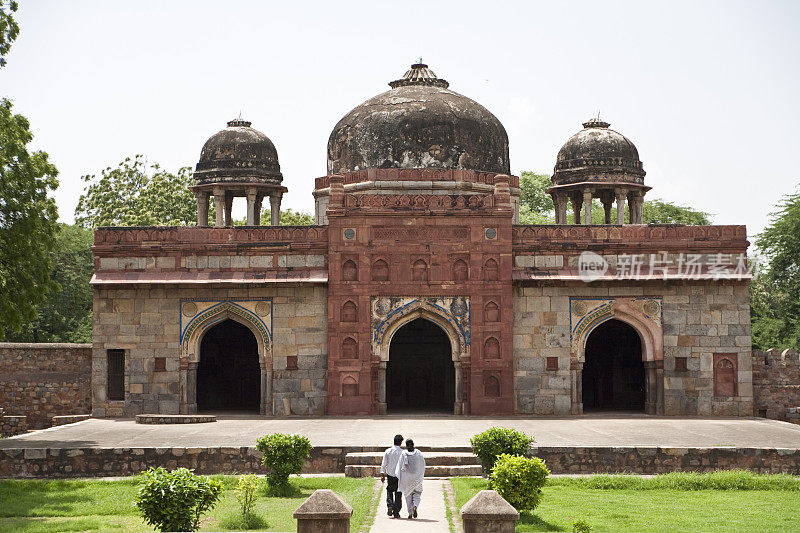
(417, 289)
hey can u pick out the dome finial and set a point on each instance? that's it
(419, 74)
(239, 122)
(596, 122)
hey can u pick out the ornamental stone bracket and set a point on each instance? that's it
(197, 316)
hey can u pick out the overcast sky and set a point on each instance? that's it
(708, 91)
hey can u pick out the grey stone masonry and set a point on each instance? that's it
(323, 512)
(488, 512)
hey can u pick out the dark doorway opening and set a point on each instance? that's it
(228, 375)
(613, 371)
(420, 375)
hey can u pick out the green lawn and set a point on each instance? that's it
(49, 506)
(671, 503)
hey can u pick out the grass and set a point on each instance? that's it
(720, 502)
(38, 506)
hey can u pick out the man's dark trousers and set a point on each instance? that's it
(394, 499)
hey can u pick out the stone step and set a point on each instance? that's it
(430, 471)
(431, 459)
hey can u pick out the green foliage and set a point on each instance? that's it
(493, 442)
(27, 222)
(66, 313)
(9, 29)
(245, 493)
(174, 501)
(283, 455)
(519, 480)
(292, 218)
(581, 526)
(775, 306)
(536, 206)
(137, 193)
(685, 481)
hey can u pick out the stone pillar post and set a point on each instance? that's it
(228, 209)
(502, 191)
(651, 388)
(620, 194)
(576, 373)
(323, 512)
(587, 204)
(577, 203)
(251, 207)
(266, 389)
(459, 388)
(560, 203)
(639, 209)
(487, 511)
(191, 388)
(202, 208)
(335, 195)
(219, 206)
(660, 387)
(259, 199)
(275, 208)
(608, 203)
(382, 388)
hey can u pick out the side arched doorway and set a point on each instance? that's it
(420, 374)
(613, 376)
(228, 373)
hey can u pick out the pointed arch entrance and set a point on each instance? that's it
(228, 373)
(420, 374)
(613, 370)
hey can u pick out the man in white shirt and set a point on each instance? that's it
(411, 472)
(394, 498)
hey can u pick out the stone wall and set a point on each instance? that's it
(698, 320)
(40, 381)
(776, 383)
(145, 322)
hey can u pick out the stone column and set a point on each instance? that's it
(651, 388)
(560, 203)
(202, 208)
(608, 203)
(660, 387)
(228, 209)
(259, 199)
(219, 206)
(577, 203)
(323, 512)
(382, 388)
(587, 204)
(487, 512)
(620, 194)
(266, 389)
(576, 373)
(459, 387)
(251, 207)
(275, 208)
(191, 388)
(639, 209)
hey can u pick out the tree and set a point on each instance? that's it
(66, 313)
(536, 206)
(9, 29)
(137, 193)
(292, 218)
(775, 290)
(27, 221)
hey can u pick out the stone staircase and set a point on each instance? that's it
(439, 462)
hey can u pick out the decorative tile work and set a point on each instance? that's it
(455, 309)
(586, 312)
(256, 311)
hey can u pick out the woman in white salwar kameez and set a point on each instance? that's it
(410, 473)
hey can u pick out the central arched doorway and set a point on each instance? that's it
(228, 374)
(420, 375)
(613, 377)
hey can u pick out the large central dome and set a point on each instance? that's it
(419, 123)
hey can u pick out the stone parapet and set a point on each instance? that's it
(415, 174)
(776, 383)
(13, 425)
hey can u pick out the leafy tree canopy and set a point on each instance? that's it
(9, 29)
(66, 313)
(536, 206)
(137, 193)
(775, 290)
(27, 221)
(292, 218)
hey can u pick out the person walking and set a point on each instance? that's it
(411, 473)
(394, 497)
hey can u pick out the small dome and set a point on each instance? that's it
(596, 152)
(238, 153)
(419, 123)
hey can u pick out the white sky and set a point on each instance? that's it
(708, 91)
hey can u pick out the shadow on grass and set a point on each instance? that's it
(40, 498)
(541, 524)
(237, 522)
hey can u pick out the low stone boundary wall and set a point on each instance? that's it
(175, 419)
(93, 462)
(13, 425)
(68, 419)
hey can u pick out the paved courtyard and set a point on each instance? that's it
(589, 430)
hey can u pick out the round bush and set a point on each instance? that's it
(283, 455)
(519, 480)
(493, 442)
(174, 501)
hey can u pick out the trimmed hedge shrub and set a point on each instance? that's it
(283, 455)
(519, 480)
(174, 501)
(493, 442)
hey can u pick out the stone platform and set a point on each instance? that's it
(584, 444)
(175, 419)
